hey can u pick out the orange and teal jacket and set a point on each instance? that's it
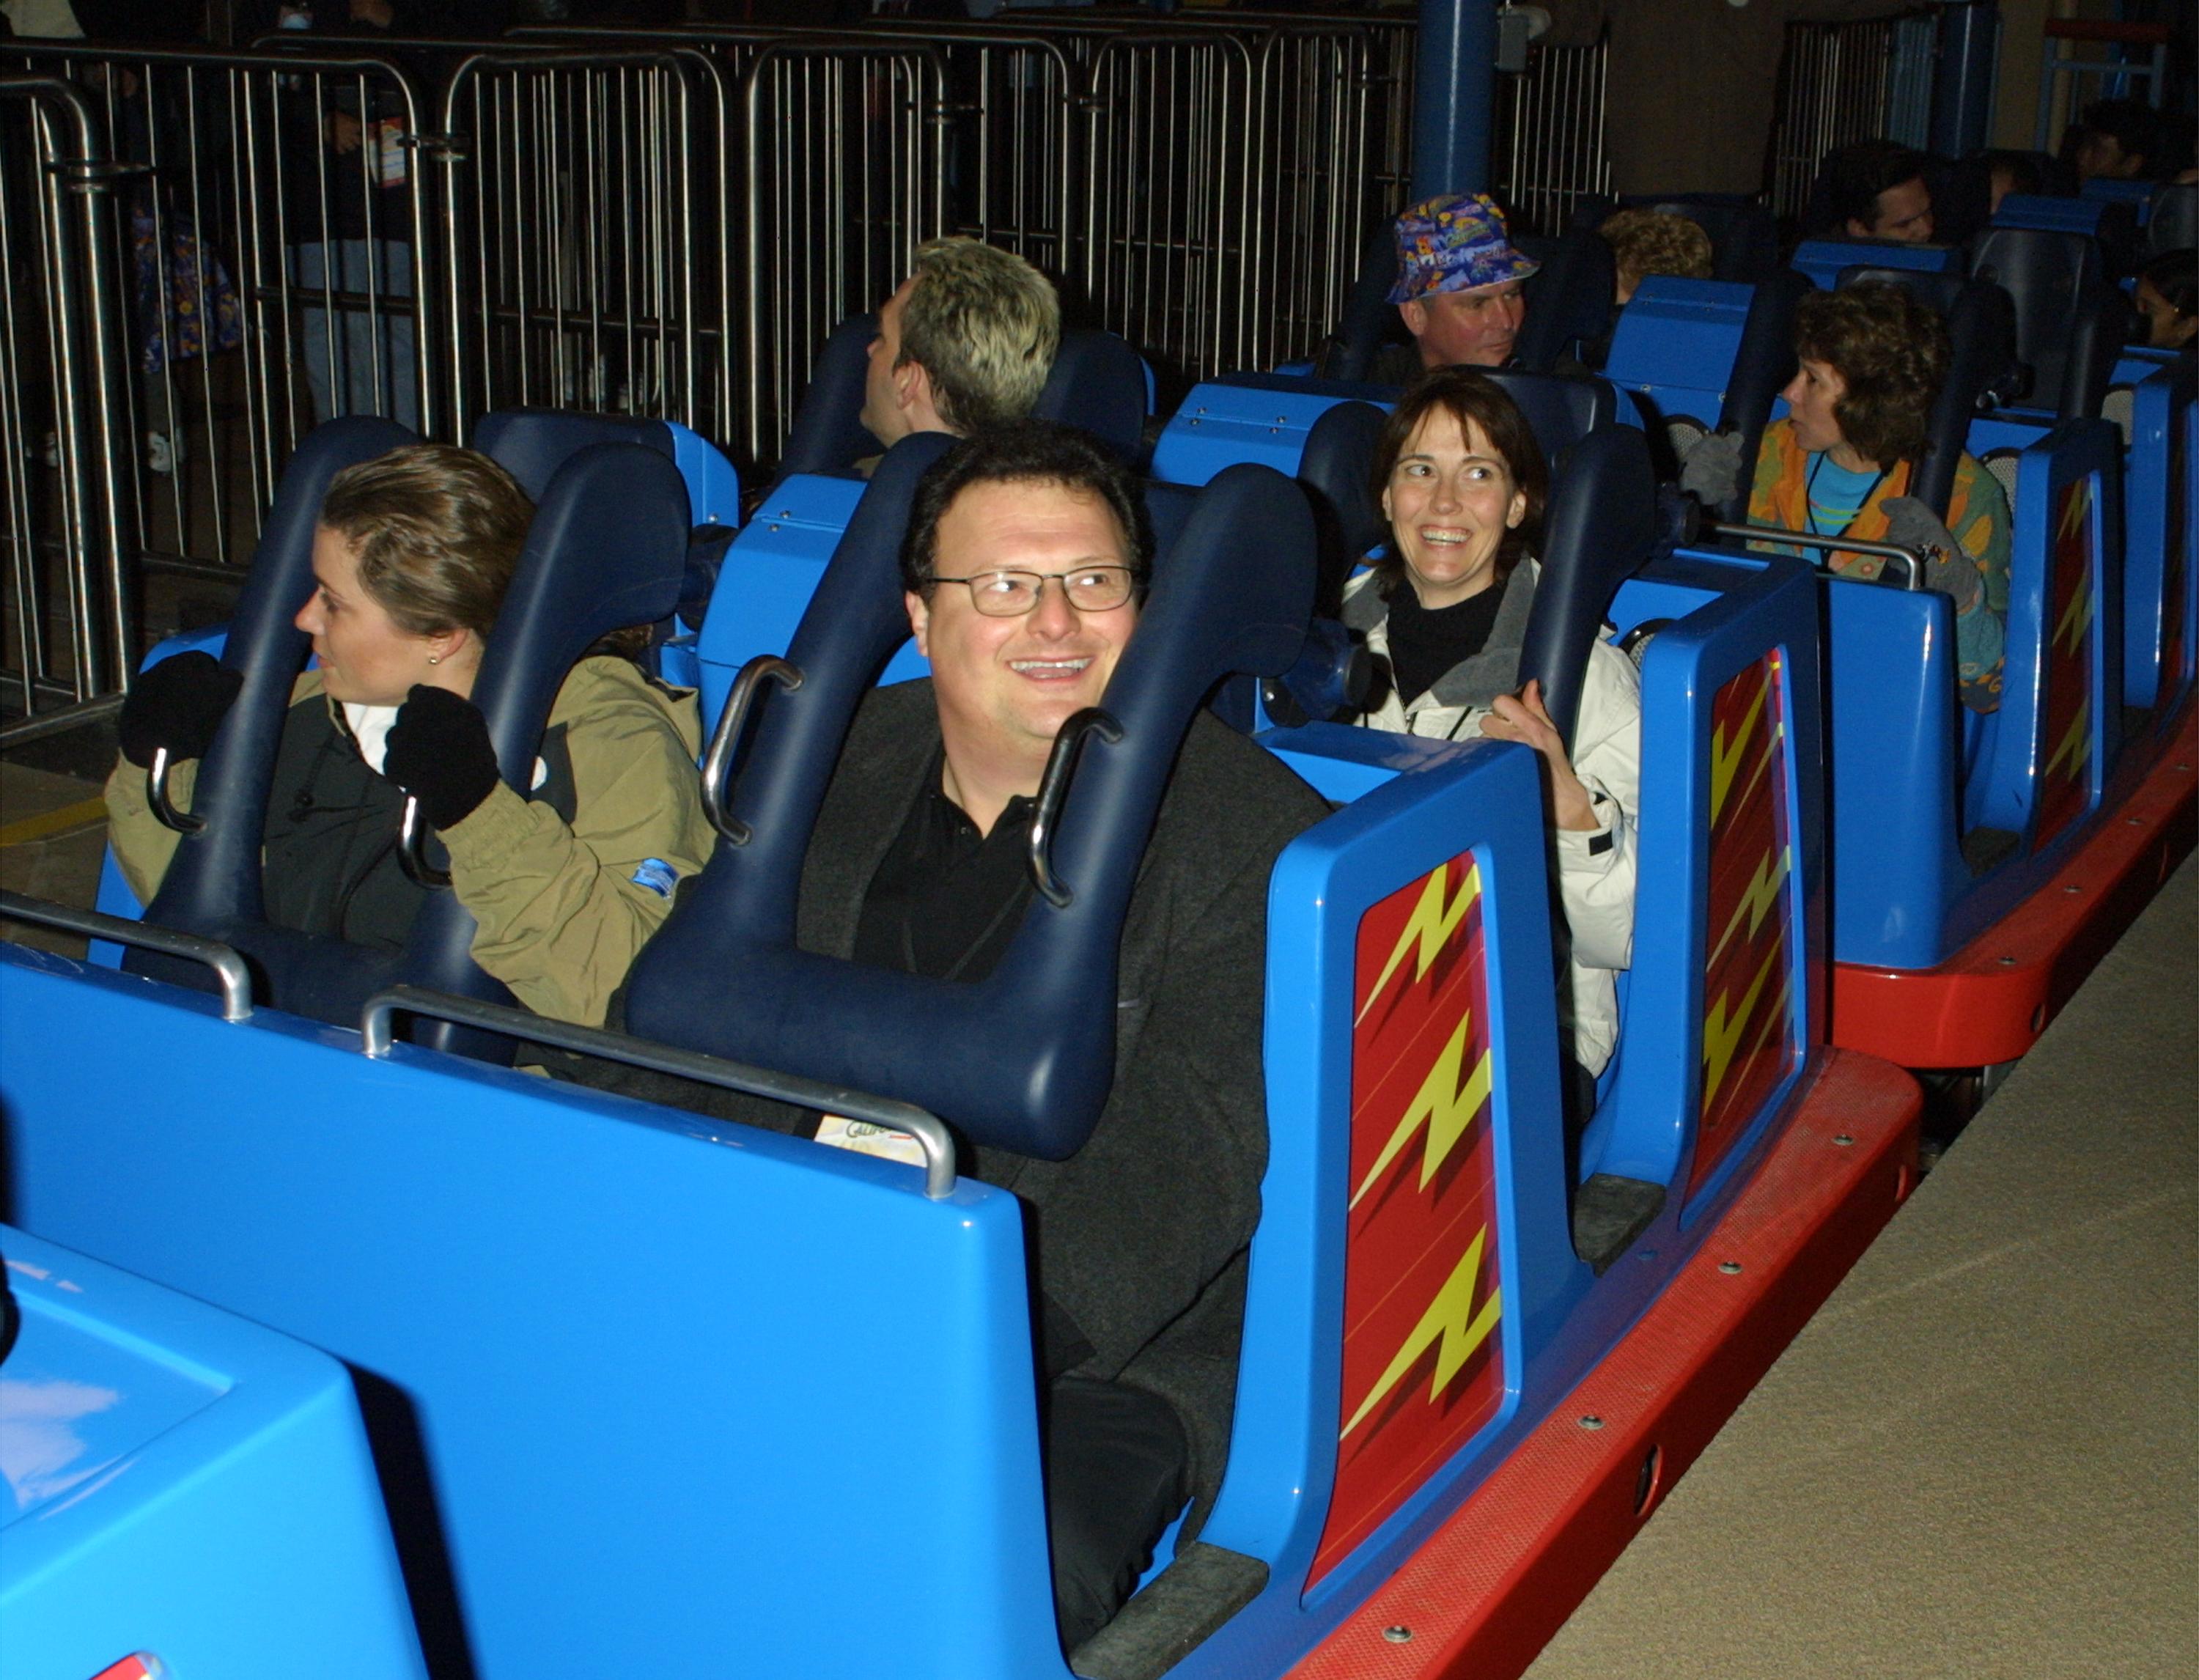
(1977, 514)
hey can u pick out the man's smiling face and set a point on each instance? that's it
(1005, 686)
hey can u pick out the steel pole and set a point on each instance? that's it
(1962, 84)
(1454, 89)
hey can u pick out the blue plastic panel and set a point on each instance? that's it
(673, 1385)
(714, 486)
(2055, 214)
(1824, 259)
(2156, 577)
(183, 1483)
(1675, 345)
(1220, 424)
(771, 571)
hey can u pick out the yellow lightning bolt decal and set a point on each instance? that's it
(1431, 922)
(2076, 616)
(2074, 509)
(1725, 758)
(1445, 1319)
(1756, 902)
(2076, 746)
(1722, 1032)
(1447, 1108)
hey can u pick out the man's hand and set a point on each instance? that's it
(344, 131)
(1947, 568)
(439, 752)
(178, 704)
(1711, 473)
(1525, 719)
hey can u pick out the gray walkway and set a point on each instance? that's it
(1981, 1459)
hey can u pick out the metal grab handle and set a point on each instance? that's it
(156, 796)
(1053, 788)
(412, 849)
(1916, 557)
(717, 763)
(926, 1128)
(223, 959)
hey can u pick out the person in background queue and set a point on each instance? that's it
(566, 881)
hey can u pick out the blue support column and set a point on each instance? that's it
(1963, 89)
(1453, 90)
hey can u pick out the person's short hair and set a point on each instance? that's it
(2131, 124)
(436, 531)
(1856, 175)
(1891, 352)
(1471, 396)
(1657, 242)
(1032, 451)
(2021, 168)
(985, 325)
(2175, 276)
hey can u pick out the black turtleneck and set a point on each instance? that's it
(1425, 644)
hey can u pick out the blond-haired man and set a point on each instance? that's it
(966, 342)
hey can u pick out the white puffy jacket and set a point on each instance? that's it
(1594, 866)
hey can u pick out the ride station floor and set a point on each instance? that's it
(1981, 1457)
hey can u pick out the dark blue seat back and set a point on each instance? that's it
(1097, 383)
(1370, 320)
(1600, 526)
(532, 443)
(1347, 512)
(606, 550)
(1561, 410)
(1983, 369)
(1744, 234)
(1569, 302)
(828, 430)
(1034, 1043)
(1763, 363)
(2058, 283)
(2173, 221)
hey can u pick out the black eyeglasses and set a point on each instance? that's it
(1012, 594)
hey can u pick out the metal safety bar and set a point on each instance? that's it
(929, 1131)
(1914, 558)
(228, 965)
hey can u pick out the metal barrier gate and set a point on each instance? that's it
(68, 522)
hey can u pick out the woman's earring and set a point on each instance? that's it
(434, 659)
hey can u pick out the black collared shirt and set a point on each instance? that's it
(947, 901)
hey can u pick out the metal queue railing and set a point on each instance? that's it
(69, 521)
(671, 223)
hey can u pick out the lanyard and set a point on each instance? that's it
(1810, 496)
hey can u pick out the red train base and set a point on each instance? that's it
(1492, 1586)
(1990, 1001)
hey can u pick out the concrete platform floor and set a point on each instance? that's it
(1981, 1458)
(53, 829)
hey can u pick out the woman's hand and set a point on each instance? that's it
(178, 704)
(439, 752)
(1523, 718)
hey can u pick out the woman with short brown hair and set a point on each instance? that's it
(411, 558)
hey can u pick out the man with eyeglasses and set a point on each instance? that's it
(1024, 566)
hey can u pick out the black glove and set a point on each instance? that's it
(178, 704)
(1947, 568)
(438, 751)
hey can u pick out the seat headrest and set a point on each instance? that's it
(1370, 320)
(1601, 525)
(1569, 301)
(532, 443)
(1034, 1040)
(1763, 363)
(2173, 222)
(1097, 383)
(2050, 278)
(1561, 409)
(1332, 471)
(608, 549)
(828, 434)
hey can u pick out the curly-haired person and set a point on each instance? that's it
(1644, 243)
(1841, 462)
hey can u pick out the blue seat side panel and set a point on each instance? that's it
(678, 1383)
(186, 1485)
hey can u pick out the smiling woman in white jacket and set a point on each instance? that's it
(1462, 485)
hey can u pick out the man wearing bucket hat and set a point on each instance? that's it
(1461, 286)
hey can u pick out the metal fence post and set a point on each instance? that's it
(1962, 91)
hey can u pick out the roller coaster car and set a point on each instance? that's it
(655, 1385)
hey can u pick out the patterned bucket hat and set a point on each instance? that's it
(1454, 244)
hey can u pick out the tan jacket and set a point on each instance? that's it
(560, 916)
